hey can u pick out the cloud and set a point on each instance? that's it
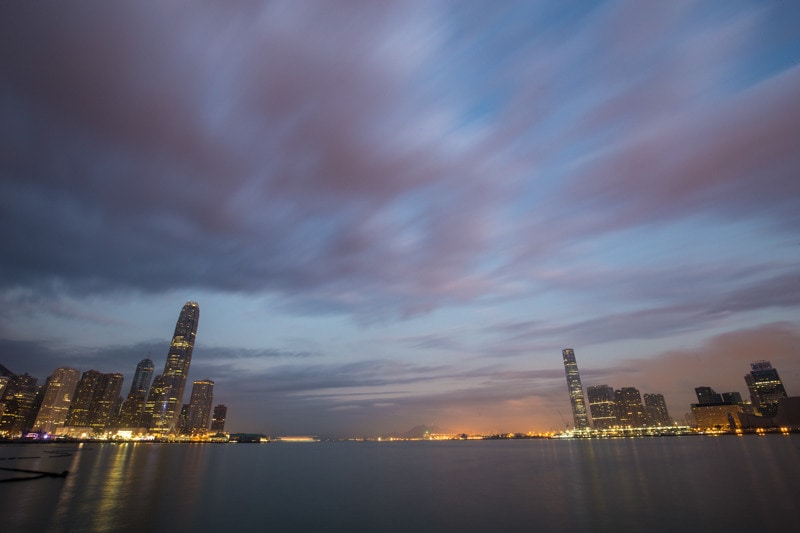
(219, 149)
(267, 162)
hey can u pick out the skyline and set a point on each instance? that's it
(401, 214)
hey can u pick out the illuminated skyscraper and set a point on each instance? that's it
(200, 406)
(80, 408)
(575, 388)
(106, 403)
(630, 411)
(133, 407)
(142, 377)
(766, 387)
(656, 409)
(57, 396)
(19, 404)
(602, 406)
(96, 401)
(166, 395)
(218, 420)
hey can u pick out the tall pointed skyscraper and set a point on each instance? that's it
(166, 394)
(575, 388)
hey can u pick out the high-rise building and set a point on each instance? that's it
(133, 407)
(218, 419)
(579, 414)
(58, 394)
(707, 395)
(766, 387)
(166, 395)
(630, 411)
(602, 406)
(96, 401)
(80, 409)
(142, 377)
(106, 403)
(19, 404)
(732, 397)
(656, 410)
(182, 425)
(200, 406)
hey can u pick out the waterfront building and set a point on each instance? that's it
(106, 403)
(56, 400)
(765, 386)
(577, 401)
(630, 410)
(19, 404)
(656, 410)
(182, 425)
(200, 406)
(718, 416)
(707, 395)
(602, 406)
(80, 408)
(134, 404)
(218, 419)
(166, 395)
(96, 401)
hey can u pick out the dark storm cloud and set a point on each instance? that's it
(300, 149)
(40, 359)
(142, 152)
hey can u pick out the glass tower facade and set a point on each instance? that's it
(579, 414)
(166, 395)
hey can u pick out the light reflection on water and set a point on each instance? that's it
(656, 484)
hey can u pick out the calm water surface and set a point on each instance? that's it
(656, 484)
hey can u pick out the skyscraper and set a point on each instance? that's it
(96, 401)
(166, 395)
(218, 419)
(630, 411)
(656, 409)
(19, 404)
(766, 387)
(133, 407)
(142, 377)
(707, 395)
(57, 396)
(602, 406)
(106, 403)
(575, 388)
(80, 409)
(200, 406)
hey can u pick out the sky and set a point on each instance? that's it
(399, 213)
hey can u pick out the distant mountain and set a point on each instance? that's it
(6, 372)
